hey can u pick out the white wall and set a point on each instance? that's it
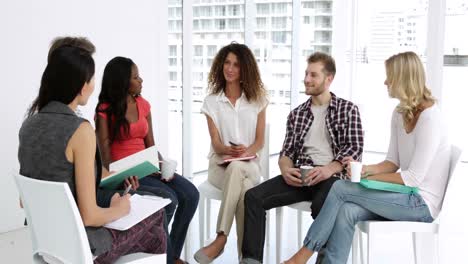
(118, 28)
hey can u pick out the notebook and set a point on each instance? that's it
(230, 159)
(141, 206)
(140, 164)
(387, 186)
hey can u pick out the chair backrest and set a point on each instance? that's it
(265, 155)
(55, 224)
(455, 154)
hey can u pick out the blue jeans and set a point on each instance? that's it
(184, 195)
(348, 203)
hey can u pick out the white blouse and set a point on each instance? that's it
(237, 123)
(422, 155)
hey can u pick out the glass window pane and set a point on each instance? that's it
(454, 91)
(315, 35)
(272, 48)
(219, 23)
(175, 81)
(384, 28)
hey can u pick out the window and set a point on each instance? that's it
(377, 40)
(234, 24)
(454, 92)
(173, 76)
(220, 24)
(175, 82)
(270, 45)
(220, 10)
(211, 50)
(261, 23)
(198, 50)
(278, 37)
(172, 50)
(278, 22)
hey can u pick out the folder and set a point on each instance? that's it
(140, 164)
(388, 186)
(229, 159)
(141, 206)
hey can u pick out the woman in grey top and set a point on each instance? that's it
(57, 145)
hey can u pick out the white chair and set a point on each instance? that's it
(300, 207)
(426, 233)
(57, 231)
(209, 192)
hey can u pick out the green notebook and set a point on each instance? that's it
(140, 164)
(387, 186)
(114, 181)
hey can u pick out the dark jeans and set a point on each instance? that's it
(271, 194)
(185, 196)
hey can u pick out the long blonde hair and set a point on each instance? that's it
(407, 82)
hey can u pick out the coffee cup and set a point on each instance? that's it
(304, 171)
(168, 168)
(356, 168)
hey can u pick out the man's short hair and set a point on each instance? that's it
(327, 61)
(78, 42)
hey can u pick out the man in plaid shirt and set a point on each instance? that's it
(320, 133)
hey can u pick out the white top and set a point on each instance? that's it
(237, 123)
(317, 142)
(422, 155)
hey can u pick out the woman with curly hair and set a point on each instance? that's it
(418, 156)
(235, 111)
(124, 127)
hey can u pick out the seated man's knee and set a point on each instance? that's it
(250, 196)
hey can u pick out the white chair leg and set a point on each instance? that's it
(361, 247)
(187, 243)
(201, 216)
(425, 248)
(279, 224)
(355, 246)
(208, 218)
(370, 240)
(267, 230)
(299, 229)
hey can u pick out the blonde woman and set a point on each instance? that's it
(418, 148)
(235, 111)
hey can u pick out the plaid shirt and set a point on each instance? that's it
(344, 126)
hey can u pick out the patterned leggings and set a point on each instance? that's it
(148, 236)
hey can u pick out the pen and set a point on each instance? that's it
(127, 190)
(233, 144)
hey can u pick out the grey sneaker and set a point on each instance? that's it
(202, 258)
(249, 261)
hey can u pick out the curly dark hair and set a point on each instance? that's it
(114, 91)
(251, 83)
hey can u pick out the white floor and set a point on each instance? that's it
(15, 245)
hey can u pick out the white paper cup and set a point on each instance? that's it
(168, 168)
(356, 168)
(304, 171)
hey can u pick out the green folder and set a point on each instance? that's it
(113, 182)
(389, 187)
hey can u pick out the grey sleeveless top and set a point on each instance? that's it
(43, 139)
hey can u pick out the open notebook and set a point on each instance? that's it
(228, 159)
(140, 208)
(140, 164)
